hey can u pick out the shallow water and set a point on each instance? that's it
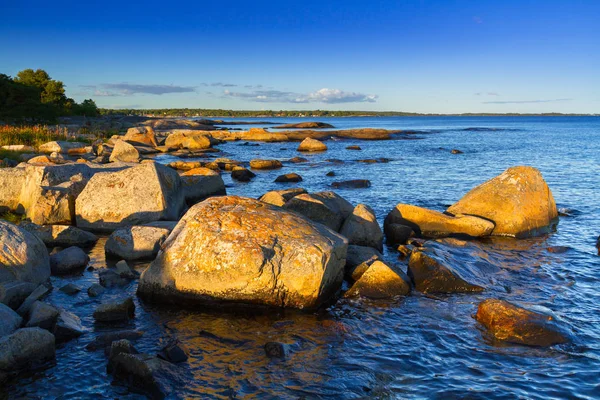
(413, 347)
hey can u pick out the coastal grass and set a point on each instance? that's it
(33, 135)
(11, 155)
(12, 217)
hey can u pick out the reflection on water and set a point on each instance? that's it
(418, 346)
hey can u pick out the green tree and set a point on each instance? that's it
(52, 91)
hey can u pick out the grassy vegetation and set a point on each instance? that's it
(34, 135)
(11, 155)
(12, 217)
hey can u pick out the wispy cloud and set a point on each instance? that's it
(127, 89)
(325, 95)
(525, 101)
(488, 94)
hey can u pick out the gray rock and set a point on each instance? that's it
(276, 350)
(357, 255)
(362, 229)
(110, 278)
(125, 271)
(53, 205)
(23, 256)
(68, 326)
(135, 242)
(173, 353)
(14, 293)
(198, 187)
(70, 289)
(10, 320)
(327, 208)
(398, 233)
(104, 340)
(122, 346)
(43, 316)
(60, 147)
(37, 294)
(25, 347)
(124, 152)
(141, 194)
(69, 260)
(115, 312)
(95, 290)
(61, 235)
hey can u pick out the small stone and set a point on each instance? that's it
(330, 173)
(276, 350)
(456, 151)
(106, 339)
(68, 326)
(109, 278)
(115, 312)
(124, 271)
(95, 290)
(352, 184)
(70, 289)
(68, 261)
(292, 177)
(173, 353)
(242, 174)
(353, 148)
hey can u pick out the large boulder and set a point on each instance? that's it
(201, 183)
(61, 147)
(430, 274)
(280, 197)
(124, 152)
(23, 348)
(135, 242)
(61, 235)
(14, 293)
(53, 205)
(145, 193)
(143, 135)
(326, 208)
(361, 228)
(310, 145)
(43, 316)
(434, 224)
(233, 249)
(69, 260)
(518, 201)
(191, 141)
(510, 323)
(23, 256)
(11, 321)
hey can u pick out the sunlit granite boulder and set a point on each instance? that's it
(280, 197)
(510, 323)
(143, 135)
(134, 196)
(23, 256)
(201, 183)
(124, 152)
(379, 281)
(361, 228)
(518, 201)
(312, 145)
(327, 208)
(434, 224)
(239, 250)
(192, 140)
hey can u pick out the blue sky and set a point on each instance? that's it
(419, 56)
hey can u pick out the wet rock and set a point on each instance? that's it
(397, 233)
(109, 278)
(242, 174)
(362, 229)
(292, 177)
(298, 160)
(456, 151)
(312, 145)
(42, 315)
(306, 125)
(10, 320)
(70, 289)
(145, 193)
(68, 327)
(24, 348)
(382, 160)
(352, 184)
(124, 152)
(68, 261)
(280, 197)
(61, 235)
(135, 242)
(433, 224)
(429, 275)
(201, 183)
(122, 346)
(185, 165)
(558, 249)
(510, 323)
(598, 245)
(379, 281)
(105, 340)
(326, 208)
(95, 290)
(14, 293)
(115, 312)
(357, 255)
(173, 353)
(125, 271)
(233, 249)
(39, 293)
(143, 135)
(330, 173)
(276, 350)
(405, 250)
(265, 164)
(518, 201)
(23, 256)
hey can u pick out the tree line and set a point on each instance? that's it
(34, 96)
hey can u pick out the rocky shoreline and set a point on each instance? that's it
(287, 249)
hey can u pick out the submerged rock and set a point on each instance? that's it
(135, 242)
(379, 281)
(24, 348)
(173, 353)
(233, 249)
(68, 261)
(310, 145)
(292, 177)
(433, 224)
(276, 350)
(362, 229)
(145, 193)
(510, 323)
(518, 201)
(115, 312)
(23, 256)
(327, 208)
(429, 275)
(352, 184)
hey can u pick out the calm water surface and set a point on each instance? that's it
(411, 347)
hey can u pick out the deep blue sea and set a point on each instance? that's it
(412, 347)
